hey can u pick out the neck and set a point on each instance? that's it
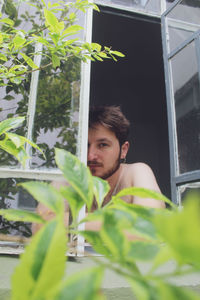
(113, 180)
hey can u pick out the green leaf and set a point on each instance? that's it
(19, 140)
(29, 61)
(73, 29)
(20, 153)
(52, 22)
(84, 285)
(10, 124)
(117, 53)
(113, 237)
(18, 41)
(3, 57)
(21, 215)
(74, 200)
(46, 194)
(101, 189)
(76, 174)
(142, 251)
(42, 265)
(55, 61)
(180, 230)
(7, 21)
(94, 238)
(144, 193)
(168, 291)
(96, 46)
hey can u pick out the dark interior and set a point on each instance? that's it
(136, 83)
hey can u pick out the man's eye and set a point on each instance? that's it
(102, 145)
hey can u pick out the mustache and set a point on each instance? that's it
(94, 163)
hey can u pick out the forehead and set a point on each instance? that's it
(99, 132)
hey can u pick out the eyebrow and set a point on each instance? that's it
(104, 140)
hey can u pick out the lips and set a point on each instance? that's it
(94, 164)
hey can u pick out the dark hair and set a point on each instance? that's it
(112, 118)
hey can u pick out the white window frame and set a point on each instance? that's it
(56, 174)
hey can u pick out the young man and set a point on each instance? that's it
(107, 149)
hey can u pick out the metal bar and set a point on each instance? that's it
(183, 44)
(179, 24)
(53, 174)
(163, 6)
(32, 101)
(197, 46)
(171, 8)
(83, 120)
(187, 177)
(170, 111)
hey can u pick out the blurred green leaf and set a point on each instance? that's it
(10, 124)
(21, 215)
(181, 231)
(73, 198)
(76, 174)
(46, 194)
(42, 265)
(101, 189)
(83, 286)
(29, 61)
(144, 193)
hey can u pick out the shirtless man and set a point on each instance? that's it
(107, 149)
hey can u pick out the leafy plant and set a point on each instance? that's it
(157, 236)
(12, 142)
(32, 29)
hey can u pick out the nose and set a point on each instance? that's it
(92, 153)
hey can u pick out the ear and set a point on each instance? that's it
(124, 149)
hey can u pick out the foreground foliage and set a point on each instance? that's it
(162, 235)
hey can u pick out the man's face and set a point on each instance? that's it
(103, 152)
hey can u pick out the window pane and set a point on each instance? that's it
(13, 196)
(57, 111)
(145, 5)
(187, 105)
(14, 102)
(182, 21)
(186, 190)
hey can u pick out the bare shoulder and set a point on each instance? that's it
(141, 174)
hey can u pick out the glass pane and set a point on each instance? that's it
(146, 5)
(183, 20)
(57, 111)
(187, 105)
(14, 102)
(14, 97)
(188, 189)
(13, 196)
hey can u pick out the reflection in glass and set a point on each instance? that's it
(57, 111)
(183, 20)
(187, 106)
(13, 196)
(177, 36)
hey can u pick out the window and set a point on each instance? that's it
(55, 106)
(182, 65)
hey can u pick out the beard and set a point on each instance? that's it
(113, 169)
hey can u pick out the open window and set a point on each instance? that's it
(181, 45)
(135, 83)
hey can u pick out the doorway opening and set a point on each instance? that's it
(135, 83)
